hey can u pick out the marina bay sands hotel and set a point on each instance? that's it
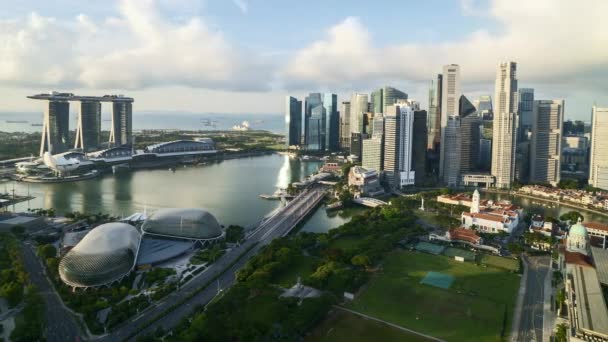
(56, 123)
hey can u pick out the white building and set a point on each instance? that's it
(504, 126)
(450, 93)
(371, 155)
(598, 166)
(366, 181)
(359, 105)
(398, 129)
(489, 220)
(546, 147)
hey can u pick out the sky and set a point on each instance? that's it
(245, 56)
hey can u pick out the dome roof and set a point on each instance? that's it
(578, 230)
(104, 255)
(188, 223)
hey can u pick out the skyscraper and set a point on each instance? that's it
(372, 154)
(450, 94)
(469, 136)
(88, 129)
(419, 139)
(390, 96)
(484, 107)
(434, 114)
(293, 121)
(546, 147)
(504, 125)
(377, 126)
(316, 130)
(311, 101)
(398, 136)
(376, 104)
(345, 125)
(598, 167)
(358, 107)
(121, 129)
(331, 123)
(525, 107)
(55, 127)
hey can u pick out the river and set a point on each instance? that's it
(546, 208)
(228, 189)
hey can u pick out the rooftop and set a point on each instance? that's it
(55, 96)
(591, 312)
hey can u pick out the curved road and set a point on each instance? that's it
(60, 323)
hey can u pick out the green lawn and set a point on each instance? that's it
(341, 326)
(474, 306)
(500, 262)
(302, 267)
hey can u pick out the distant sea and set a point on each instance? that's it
(158, 120)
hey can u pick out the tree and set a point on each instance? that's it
(234, 233)
(361, 260)
(561, 335)
(47, 251)
(571, 216)
(515, 248)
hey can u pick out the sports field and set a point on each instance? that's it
(476, 306)
(508, 264)
(341, 326)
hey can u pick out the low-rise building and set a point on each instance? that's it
(365, 181)
(489, 220)
(539, 225)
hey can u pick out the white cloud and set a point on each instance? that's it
(139, 48)
(552, 41)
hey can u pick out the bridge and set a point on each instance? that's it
(369, 202)
(204, 287)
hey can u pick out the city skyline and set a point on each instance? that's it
(277, 65)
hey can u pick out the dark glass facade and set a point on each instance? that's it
(293, 121)
(121, 132)
(88, 132)
(56, 128)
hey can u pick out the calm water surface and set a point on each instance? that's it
(229, 189)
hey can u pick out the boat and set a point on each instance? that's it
(36, 125)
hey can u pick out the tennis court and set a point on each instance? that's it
(429, 248)
(437, 279)
(466, 255)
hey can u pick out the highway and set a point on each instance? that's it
(531, 323)
(280, 224)
(60, 323)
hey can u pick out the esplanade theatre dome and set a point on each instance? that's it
(104, 255)
(184, 223)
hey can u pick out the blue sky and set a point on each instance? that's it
(246, 55)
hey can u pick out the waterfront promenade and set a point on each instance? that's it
(203, 288)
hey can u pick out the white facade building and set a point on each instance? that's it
(504, 127)
(546, 147)
(489, 220)
(398, 126)
(450, 93)
(598, 166)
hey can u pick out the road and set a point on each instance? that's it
(60, 323)
(531, 323)
(276, 226)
